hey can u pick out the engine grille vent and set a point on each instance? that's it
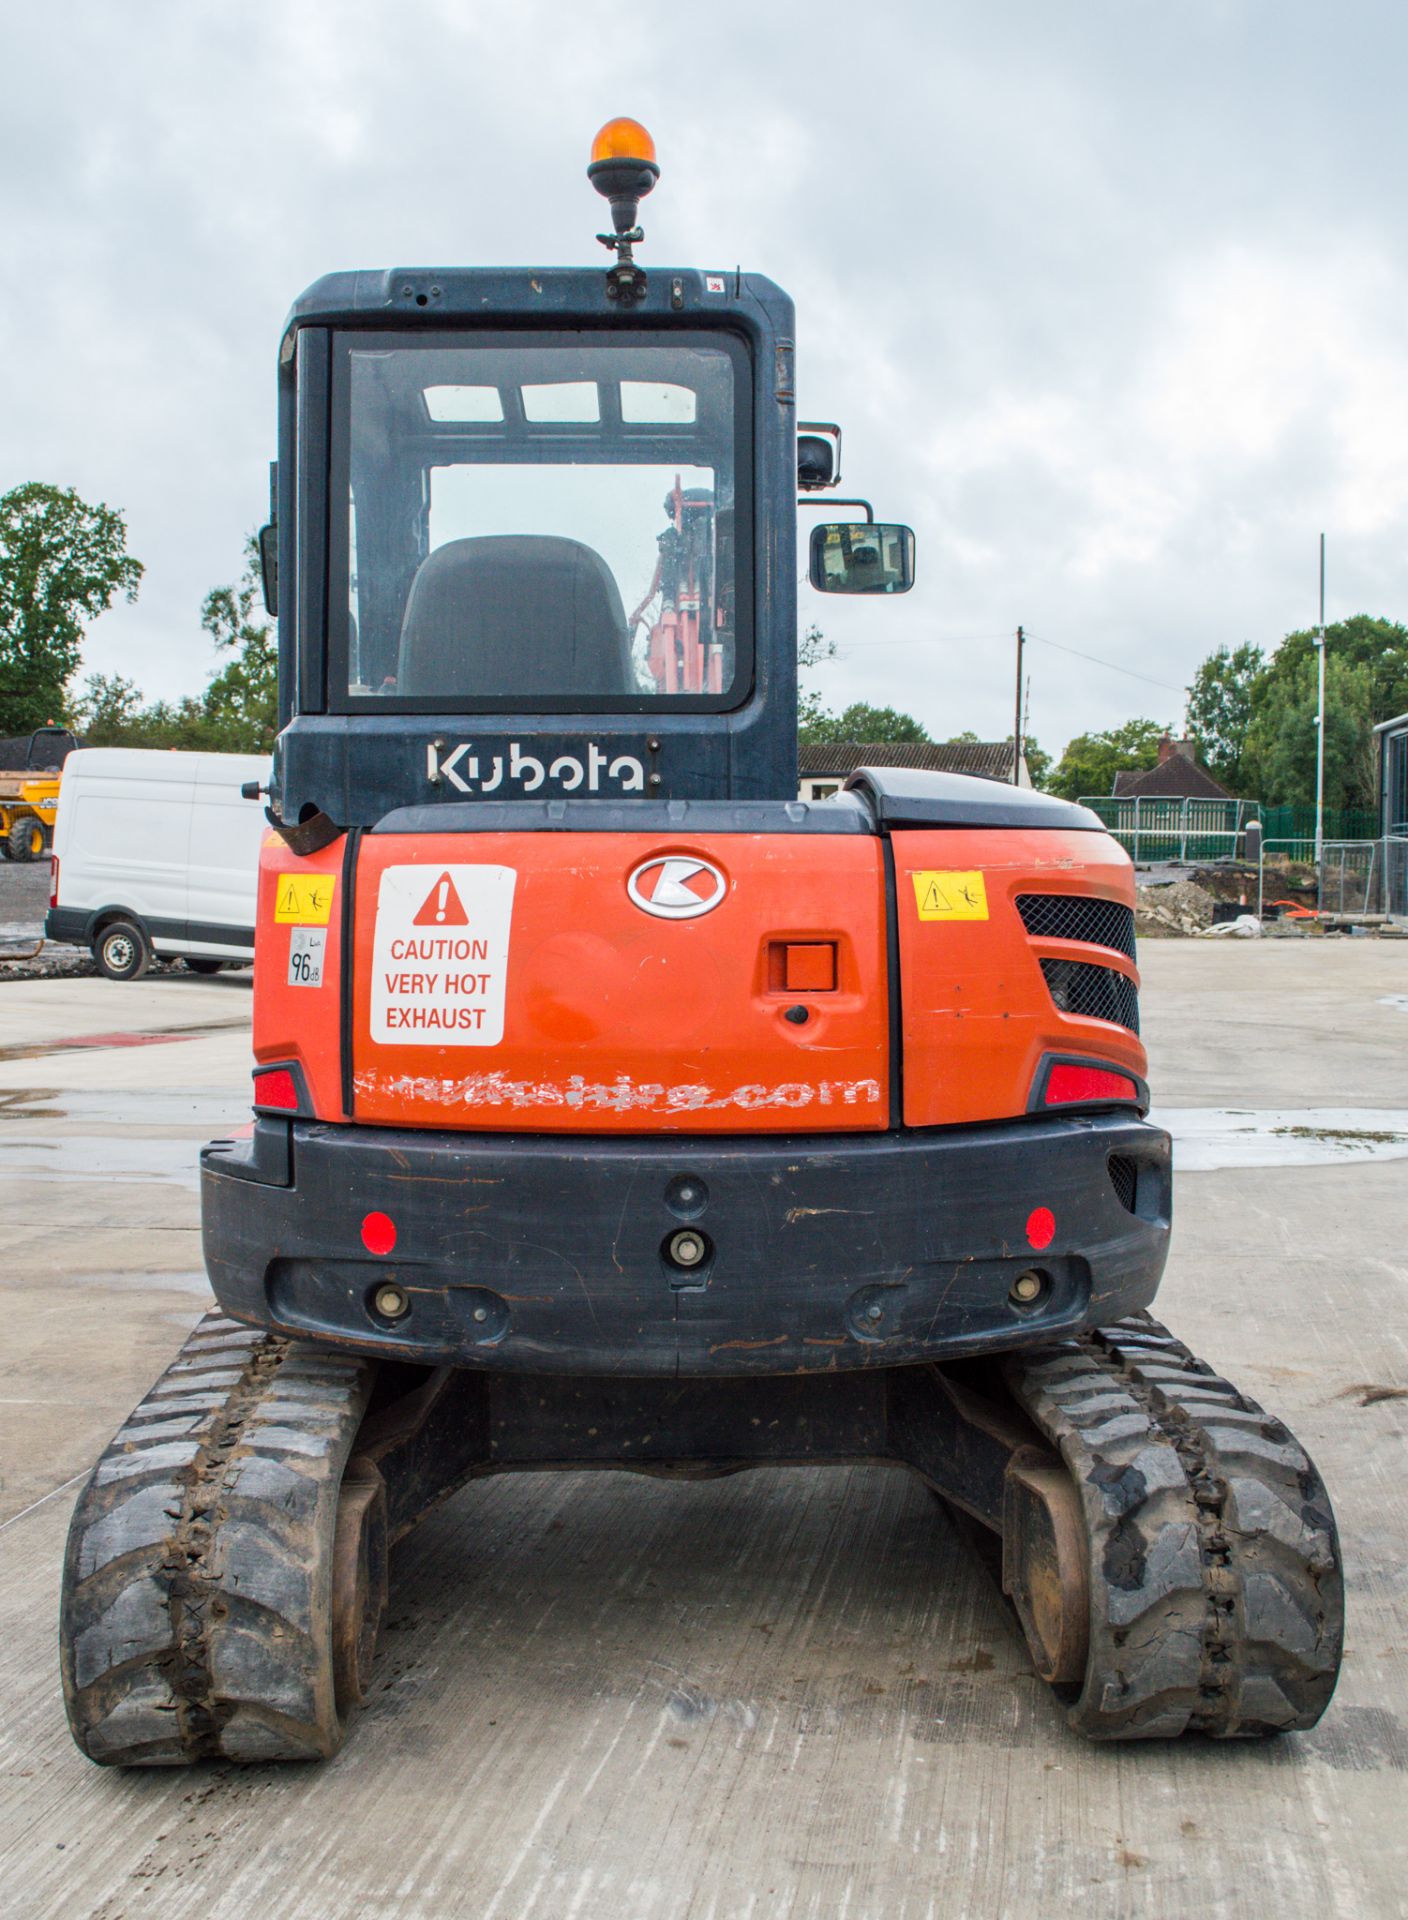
(1078, 916)
(1098, 993)
(1124, 1177)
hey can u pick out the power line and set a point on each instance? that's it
(1095, 661)
(848, 649)
(852, 646)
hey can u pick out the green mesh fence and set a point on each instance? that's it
(1202, 830)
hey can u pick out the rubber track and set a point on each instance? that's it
(196, 1618)
(1217, 1595)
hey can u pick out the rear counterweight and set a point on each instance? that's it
(688, 1256)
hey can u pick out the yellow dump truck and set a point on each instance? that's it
(31, 767)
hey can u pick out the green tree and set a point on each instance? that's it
(242, 701)
(1220, 706)
(62, 563)
(1091, 760)
(1280, 755)
(110, 713)
(1366, 681)
(1038, 760)
(814, 647)
(237, 713)
(860, 722)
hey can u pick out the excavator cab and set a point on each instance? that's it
(614, 1107)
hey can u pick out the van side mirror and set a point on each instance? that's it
(269, 567)
(861, 556)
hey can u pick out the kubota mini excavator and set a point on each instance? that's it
(615, 1107)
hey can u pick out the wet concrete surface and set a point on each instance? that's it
(1206, 1139)
(786, 1693)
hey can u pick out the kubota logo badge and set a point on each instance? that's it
(673, 887)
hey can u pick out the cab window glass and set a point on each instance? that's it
(540, 523)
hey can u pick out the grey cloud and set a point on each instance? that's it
(1106, 295)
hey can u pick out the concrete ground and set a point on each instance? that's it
(779, 1694)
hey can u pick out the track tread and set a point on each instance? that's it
(197, 1583)
(1217, 1600)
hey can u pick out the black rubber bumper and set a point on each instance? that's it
(67, 926)
(548, 1255)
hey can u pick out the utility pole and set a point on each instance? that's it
(1320, 723)
(1017, 723)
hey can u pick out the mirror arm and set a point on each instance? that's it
(869, 510)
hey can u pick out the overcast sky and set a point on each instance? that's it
(1109, 296)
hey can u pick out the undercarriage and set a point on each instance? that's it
(1167, 1548)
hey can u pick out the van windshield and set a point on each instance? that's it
(546, 523)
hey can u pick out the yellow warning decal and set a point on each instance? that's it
(304, 899)
(950, 896)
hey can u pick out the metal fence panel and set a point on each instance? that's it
(1153, 829)
(1298, 823)
(1395, 871)
(1203, 830)
(1365, 876)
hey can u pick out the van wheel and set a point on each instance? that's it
(122, 950)
(201, 963)
(25, 840)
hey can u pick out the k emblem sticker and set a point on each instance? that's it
(674, 887)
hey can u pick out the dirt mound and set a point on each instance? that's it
(1163, 910)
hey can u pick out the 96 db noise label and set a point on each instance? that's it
(306, 948)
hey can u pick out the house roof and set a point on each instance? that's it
(990, 758)
(1178, 778)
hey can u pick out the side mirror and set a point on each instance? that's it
(861, 556)
(269, 567)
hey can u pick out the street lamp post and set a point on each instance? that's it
(1320, 723)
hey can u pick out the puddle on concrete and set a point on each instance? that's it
(103, 1158)
(115, 1134)
(103, 1042)
(1209, 1139)
(213, 1110)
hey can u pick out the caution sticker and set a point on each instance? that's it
(440, 956)
(950, 896)
(304, 899)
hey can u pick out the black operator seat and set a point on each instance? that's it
(514, 614)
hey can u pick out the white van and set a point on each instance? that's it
(157, 853)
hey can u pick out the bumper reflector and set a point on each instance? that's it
(1041, 1227)
(275, 1092)
(379, 1234)
(1066, 1084)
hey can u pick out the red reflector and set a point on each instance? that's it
(378, 1233)
(53, 879)
(1066, 1084)
(276, 1090)
(1041, 1227)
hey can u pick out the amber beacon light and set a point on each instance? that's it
(623, 170)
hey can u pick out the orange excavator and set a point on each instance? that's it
(614, 1107)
